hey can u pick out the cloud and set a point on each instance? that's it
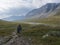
(18, 7)
(17, 11)
(4, 16)
(6, 4)
(39, 3)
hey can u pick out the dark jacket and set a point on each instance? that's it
(19, 28)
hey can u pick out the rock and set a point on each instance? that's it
(52, 33)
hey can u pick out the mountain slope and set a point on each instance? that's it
(44, 11)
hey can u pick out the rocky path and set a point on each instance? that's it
(16, 40)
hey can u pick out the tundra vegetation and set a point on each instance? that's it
(35, 33)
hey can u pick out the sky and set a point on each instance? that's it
(20, 7)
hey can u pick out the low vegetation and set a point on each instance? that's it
(34, 32)
(6, 28)
(50, 20)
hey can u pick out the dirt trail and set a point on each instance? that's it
(18, 40)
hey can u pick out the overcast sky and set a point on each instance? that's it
(10, 7)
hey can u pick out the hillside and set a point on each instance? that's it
(49, 20)
(44, 11)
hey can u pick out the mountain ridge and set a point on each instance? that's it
(43, 11)
(46, 10)
(12, 18)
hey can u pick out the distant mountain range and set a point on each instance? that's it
(13, 18)
(46, 10)
(16, 13)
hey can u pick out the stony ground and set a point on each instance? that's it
(15, 39)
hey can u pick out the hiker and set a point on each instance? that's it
(19, 28)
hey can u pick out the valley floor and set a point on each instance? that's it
(32, 34)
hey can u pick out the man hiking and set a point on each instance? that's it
(19, 28)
